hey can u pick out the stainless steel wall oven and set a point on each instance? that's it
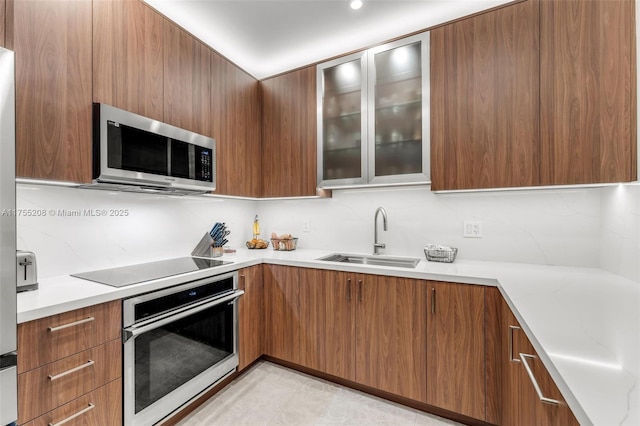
(177, 343)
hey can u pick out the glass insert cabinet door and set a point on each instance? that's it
(342, 129)
(383, 138)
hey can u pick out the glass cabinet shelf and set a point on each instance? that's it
(373, 115)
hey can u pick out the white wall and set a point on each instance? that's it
(158, 227)
(554, 227)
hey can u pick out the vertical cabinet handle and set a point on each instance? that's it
(73, 416)
(360, 290)
(433, 300)
(511, 329)
(348, 289)
(71, 324)
(543, 398)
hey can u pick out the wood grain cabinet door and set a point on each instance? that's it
(101, 407)
(289, 134)
(127, 57)
(48, 339)
(456, 348)
(391, 335)
(587, 91)
(338, 335)
(521, 404)
(485, 100)
(187, 81)
(250, 316)
(48, 387)
(3, 4)
(52, 41)
(516, 396)
(235, 121)
(328, 321)
(282, 313)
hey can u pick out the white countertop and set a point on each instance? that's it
(584, 323)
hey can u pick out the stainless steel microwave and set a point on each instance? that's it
(129, 149)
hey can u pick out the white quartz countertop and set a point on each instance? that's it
(584, 323)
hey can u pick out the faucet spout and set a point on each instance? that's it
(376, 245)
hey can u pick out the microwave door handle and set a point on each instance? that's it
(134, 331)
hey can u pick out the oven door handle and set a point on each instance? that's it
(134, 331)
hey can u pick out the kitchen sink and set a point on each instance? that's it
(400, 262)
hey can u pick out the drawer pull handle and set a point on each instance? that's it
(73, 370)
(511, 329)
(72, 324)
(348, 289)
(543, 398)
(73, 416)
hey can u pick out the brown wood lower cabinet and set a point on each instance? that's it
(328, 335)
(55, 384)
(520, 402)
(391, 335)
(69, 361)
(282, 313)
(456, 348)
(101, 407)
(51, 338)
(363, 328)
(250, 316)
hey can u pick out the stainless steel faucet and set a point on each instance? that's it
(376, 245)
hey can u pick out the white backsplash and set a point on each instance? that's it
(157, 227)
(589, 227)
(620, 231)
(554, 227)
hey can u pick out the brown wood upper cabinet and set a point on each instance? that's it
(536, 93)
(587, 91)
(128, 41)
(236, 127)
(52, 41)
(187, 81)
(289, 134)
(485, 100)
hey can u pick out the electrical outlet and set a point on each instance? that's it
(306, 225)
(472, 229)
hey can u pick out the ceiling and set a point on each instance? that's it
(268, 37)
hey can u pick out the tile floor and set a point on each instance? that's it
(269, 394)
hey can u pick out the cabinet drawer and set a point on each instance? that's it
(98, 408)
(55, 384)
(49, 339)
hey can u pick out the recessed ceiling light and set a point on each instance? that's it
(356, 4)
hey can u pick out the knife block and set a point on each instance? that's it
(205, 248)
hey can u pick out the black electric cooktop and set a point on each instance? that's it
(134, 274)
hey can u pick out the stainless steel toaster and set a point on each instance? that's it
(26, 271)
